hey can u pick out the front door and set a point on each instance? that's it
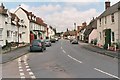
(107, 38)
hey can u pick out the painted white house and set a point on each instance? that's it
(11, 27)
(51, 32)
(33, 23)
(108, 25)
(3, 28)
(93, 35)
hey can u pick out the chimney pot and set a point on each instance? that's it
(107, 5)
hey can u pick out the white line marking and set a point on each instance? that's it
(27, 66)
(25, 62)
(106, 73)
(31, 73)
(20, 67)
(74, 59)
(22, 74)
(22, 77)
(28, 69)
(64, 51)
(33, 77)
(21, 70)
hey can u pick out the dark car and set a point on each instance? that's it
(47, 43)
(37, 45)
(53, 40)
(74, 41)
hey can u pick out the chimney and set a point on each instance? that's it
(84, 24)
(107, 4)
(2, 6)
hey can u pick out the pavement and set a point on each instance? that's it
(9, 56)
(114, 54)
(62, 60)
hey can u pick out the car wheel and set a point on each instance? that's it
(44, 48)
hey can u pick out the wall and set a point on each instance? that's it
(26, 37)
(108, 25)
(3, 27)
(93, 35)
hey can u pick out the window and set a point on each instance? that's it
(113, 36)
(16, 33)
(100, 35)
(20, 35)
(105, 20)
(100, 21)
(112, 17)
(8, 33)
(0, 33)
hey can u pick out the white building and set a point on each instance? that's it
(33, 23)
(3, 33)
(108, 25)
(9, 27)
(51, 32)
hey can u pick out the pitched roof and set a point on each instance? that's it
(110, 10)
(92, 25)
(38, 19)
(70, 33)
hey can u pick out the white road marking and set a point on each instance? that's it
(22, 74)
(31, 73)
(27, 66)
(74, 59)
(20, 67)
(64, 51)
(25, 62)
(33, 77)
(20, 70)
(28, 69)
(22, 77)
(106, 73)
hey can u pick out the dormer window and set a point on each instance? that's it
(100, 21)
(29, 17)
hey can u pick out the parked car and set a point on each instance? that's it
(47, 43)
(37, 45)
(53, 40)
(74, 41)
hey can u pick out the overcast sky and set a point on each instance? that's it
(61, 14)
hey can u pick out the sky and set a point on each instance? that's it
(61, 14)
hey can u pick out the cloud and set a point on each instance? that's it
(26, 7)
(62, 17)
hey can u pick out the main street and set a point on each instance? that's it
(62, 60)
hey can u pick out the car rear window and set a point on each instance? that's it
(35, 42)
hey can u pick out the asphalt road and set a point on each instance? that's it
(62, 60)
